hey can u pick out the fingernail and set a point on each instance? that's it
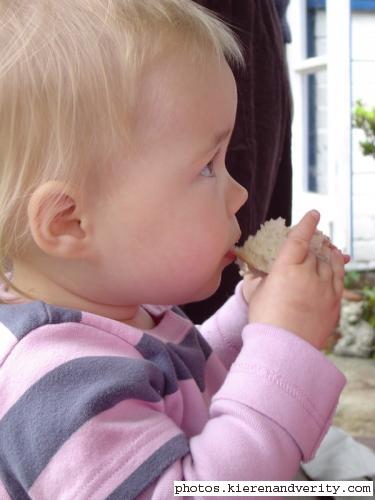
(315, 214)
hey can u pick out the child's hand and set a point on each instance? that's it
(250, 283)
(301, 294)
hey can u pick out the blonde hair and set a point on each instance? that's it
(68, 75)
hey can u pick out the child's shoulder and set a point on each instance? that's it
(21, 319)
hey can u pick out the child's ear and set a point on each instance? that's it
(57, 222)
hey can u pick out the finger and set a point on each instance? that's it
(295, 248)
(249, 286)
(306, 227)
(255, 273)
(347, 258)
(252, 278)
(337, 263)
(324, 253)
(311, 261)
(324, 270)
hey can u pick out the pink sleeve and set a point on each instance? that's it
(271, 412)
(284, 378)
(223, 330)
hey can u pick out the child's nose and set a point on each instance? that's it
(237, 196)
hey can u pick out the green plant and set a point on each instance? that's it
(369, 309)
(352, 279)
(365, 119)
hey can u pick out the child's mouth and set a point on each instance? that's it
(230, 255)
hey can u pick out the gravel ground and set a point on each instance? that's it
(356, 409)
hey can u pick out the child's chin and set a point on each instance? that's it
(208, 289)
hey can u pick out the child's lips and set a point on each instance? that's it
(230, 255)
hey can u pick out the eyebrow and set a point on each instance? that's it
(219, 137)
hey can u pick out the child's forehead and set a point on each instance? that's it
(185, 104)
(177, 80)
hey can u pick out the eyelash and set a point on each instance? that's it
(211, 169)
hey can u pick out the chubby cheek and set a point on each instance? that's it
(173, 257)
(184, 281)
(199, 245)
(180, 267)
(199, 259)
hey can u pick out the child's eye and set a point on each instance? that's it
(208, 170)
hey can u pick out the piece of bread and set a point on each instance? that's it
(259, 252)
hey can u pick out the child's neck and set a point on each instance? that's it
(41, 287)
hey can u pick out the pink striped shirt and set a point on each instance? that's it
(93, 408)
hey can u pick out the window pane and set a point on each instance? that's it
(316, 31)
(317, 180)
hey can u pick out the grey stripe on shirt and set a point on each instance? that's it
(21, 319)
(172, 450)
(59, 403)
(183, 361)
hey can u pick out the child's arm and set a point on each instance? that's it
(298, 291)
(280, 394)
(271, 413)
(224, 328)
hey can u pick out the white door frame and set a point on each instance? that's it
(336, 205)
